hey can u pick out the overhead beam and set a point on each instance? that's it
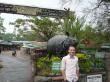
(31, 11)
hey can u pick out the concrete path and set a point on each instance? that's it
(15, 69)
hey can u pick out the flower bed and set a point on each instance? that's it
(44, 65)
(49, 67)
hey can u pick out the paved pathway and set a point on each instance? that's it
(15, 69)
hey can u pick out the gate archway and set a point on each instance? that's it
(32, 11)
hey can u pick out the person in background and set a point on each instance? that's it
(13, 51)
(0, 50)
(69, 66)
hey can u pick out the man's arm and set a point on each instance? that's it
(63, 66)
(63, 74)
(77, 70)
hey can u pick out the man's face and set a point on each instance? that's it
(71, 51)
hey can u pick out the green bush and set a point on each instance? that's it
(55, 58)
(85, 63)
(44, 64)
(99, 63)
(82, 56)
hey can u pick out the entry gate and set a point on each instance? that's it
(32, 11)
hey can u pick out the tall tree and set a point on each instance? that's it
(99, 14)
(2, 28)
(73, 25)
(8, 36)
(45, 28)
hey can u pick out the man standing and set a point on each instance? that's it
(69, 66)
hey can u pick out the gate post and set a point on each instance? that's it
(107, 65)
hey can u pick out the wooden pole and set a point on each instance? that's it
(107, 65)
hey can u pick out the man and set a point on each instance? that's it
(69, 66)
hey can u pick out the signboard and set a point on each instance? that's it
(34, 11)
(94, 78)
(55, 67)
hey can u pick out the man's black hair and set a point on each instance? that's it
(71, 46)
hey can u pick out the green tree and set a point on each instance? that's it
(30, 35)
(73, 25)
(100, 16)
(77, 27)
(44, 28)
(8, 36)
(2, 28)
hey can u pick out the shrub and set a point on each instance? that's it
(55, 58)
(44, 65)
(85, 63)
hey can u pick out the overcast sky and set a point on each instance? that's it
(53, 4)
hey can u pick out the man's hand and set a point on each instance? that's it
(65, 79)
